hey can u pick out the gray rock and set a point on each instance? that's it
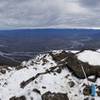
(54, 96)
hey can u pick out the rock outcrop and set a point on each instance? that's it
(54, 96)
(51, 76)
(74, 64)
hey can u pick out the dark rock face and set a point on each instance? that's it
(74, 65)
(54, 96)
(60, 56)
(18, 98)
(89, 98)
(37, 91)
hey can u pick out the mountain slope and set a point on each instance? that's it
(56, 75)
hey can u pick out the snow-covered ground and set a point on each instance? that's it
(53, 81)
(91, 57)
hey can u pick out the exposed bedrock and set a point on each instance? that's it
(74, 65)
(54, 96)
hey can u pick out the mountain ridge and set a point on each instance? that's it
(56, 74)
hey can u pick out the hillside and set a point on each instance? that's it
(56, 75)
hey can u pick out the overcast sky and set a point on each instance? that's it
(49, 13)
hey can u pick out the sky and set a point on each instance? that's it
(49, 13)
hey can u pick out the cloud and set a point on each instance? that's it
(49, 13)
(90, 3)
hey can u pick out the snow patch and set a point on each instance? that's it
(90, 57)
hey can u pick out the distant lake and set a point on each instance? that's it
(22, 44)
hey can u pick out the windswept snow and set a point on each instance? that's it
(90, 57)
(53, 81)
(56, 51)
(72, 51)
(10, 82)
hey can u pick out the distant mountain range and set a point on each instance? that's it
(22, 44)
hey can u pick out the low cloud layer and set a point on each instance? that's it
(49, 13)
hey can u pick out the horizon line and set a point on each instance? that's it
(33, 28)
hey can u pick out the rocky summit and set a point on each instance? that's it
(56, 75)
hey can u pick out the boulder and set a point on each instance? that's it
(87, 90)
(18, 98)
(74, 65)
(54, 96)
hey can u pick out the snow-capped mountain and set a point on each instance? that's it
(56, 75)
